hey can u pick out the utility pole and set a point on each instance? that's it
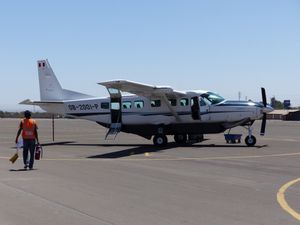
(53, 127)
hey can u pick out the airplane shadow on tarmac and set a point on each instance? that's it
(133, 149)
(138, 150)
(150, 148)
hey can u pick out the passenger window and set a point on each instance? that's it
(184, 102)
(126, 105)
(155, 103)
(139, 104)
(104, 105)
(115, 106)
(172, 102)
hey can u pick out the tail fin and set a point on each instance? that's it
(50, 88)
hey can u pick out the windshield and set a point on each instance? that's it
(213, 97)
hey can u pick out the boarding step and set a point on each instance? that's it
(113, 131)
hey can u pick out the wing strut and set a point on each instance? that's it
(174, 113)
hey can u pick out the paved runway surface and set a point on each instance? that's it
(84, 180)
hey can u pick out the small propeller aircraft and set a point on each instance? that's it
(151, 111)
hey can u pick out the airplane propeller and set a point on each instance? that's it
(264, 119)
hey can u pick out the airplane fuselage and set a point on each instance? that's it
(138, 111)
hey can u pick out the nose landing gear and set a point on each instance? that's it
(250, 140)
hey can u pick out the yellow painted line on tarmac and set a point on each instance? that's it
(4, 157)
(148, 157)
(283, 203)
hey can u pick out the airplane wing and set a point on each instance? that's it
(143, 89)
(147, 91)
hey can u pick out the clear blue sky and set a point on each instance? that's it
(224, 46)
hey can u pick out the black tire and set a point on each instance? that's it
(201, 137)
(160, 140)
(195, 138)
(180, 138)
(250, 141)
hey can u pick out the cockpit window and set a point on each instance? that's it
(213, 97)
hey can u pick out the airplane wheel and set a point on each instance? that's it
(250, 141)
(195, 138)
(160, 140)
(180, 138)
(201, 137)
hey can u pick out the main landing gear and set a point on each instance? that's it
(180, 139)
(160, 140)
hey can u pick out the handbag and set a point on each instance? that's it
(38, 152)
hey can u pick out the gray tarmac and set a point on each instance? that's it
(85, 180)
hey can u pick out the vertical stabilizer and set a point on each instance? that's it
(50, 88)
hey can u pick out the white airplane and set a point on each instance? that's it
(151, 111)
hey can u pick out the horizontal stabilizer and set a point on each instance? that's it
(56, 107)
(40, 103)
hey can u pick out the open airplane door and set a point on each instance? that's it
(195, 108)
(115, 113)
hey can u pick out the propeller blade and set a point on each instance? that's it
(263, 125)
(264, 98)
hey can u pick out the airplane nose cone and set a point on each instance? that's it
(267, 109)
